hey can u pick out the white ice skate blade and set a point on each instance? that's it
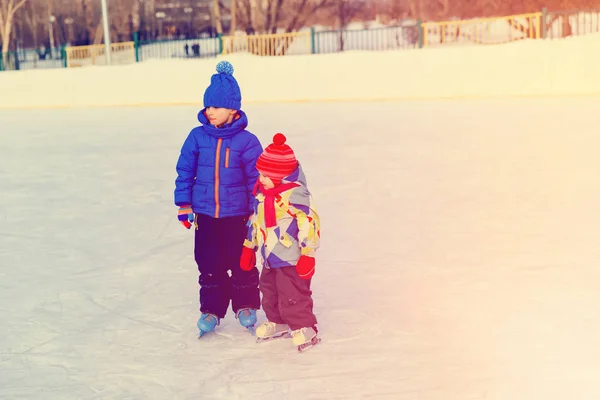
(309, 345)
(225, 335)
(282, 335)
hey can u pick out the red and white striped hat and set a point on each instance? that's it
(278, 160)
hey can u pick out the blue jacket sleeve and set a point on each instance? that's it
(251, 153)
(186, 171)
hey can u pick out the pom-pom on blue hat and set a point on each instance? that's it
(224, 91)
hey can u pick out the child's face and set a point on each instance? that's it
(265, 181)
(220, 116)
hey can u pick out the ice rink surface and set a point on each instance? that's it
(460, 256)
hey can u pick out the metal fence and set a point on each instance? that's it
(410, 34)
(496, 30)
(378, 39)
(24, 59)
(560, 24)
(179, 48)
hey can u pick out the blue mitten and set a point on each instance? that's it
(186, 216)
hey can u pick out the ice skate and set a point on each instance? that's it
(305, 338)
(207, 323)
(247, 318)
(271, 330)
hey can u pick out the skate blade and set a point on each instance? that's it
(282, 335)
(202, 333)
(308, 345)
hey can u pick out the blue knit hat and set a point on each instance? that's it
(224, 91)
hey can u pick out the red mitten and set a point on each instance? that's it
(305, 267)
(248, 259)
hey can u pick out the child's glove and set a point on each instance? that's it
(248, 259)
(305, 267)
(186, 216)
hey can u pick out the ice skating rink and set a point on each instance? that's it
(460, 256)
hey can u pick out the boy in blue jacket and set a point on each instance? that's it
(214, 191)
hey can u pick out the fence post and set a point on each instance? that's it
(313, 50)
(420, 33)
(63, 55)
(136, 46)
(543, 22)
(220, 39)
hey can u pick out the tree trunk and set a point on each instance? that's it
(253, 15)
(566, 30)
(275, 15)
(7, 13)
(6, 30)
(217, 17)
(233, 26)
(342, 21)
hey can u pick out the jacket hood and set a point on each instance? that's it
(240, 122)
(296, 177)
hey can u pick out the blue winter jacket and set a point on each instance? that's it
(216, 170)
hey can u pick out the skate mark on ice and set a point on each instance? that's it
(359, 334)
(90, 254)
(139, 321)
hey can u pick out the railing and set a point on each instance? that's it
(278, 44)
(81, 56)
(411, 34)
(560, 24)
(497, 30)
(24, 59)
(179, 48)
(378, 39)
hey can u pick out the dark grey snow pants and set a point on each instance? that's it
(286, 298)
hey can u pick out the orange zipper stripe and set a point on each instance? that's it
(227, 157)
(217, 163)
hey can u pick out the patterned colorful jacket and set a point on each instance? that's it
(297, 231)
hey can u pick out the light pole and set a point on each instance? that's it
(51, 20)
(69, 21)
(106, 31)
(160, 16)
(188, 11)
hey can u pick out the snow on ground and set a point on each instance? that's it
(459, 256)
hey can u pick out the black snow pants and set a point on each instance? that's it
(217, 250)
(287, 298)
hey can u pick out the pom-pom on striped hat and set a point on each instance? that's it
(278, 160)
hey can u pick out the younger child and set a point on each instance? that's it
(214, 190)
(286, 229)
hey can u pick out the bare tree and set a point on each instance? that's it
(30, 16)
(8, 8)
(217, 16)
(233, 25)
(122, 14)
(268, 16)
(346, 11)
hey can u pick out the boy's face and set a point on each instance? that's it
(220, 116)
(265, 181)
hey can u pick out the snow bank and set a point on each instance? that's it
(526, 68)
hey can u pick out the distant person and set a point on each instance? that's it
(285, 228)
(214, 191)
